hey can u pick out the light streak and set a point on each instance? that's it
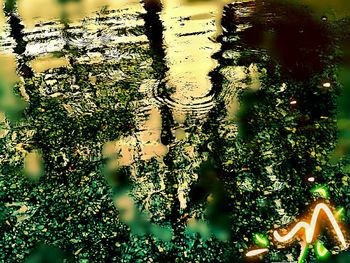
(310, 228)
(256, 252)
(322, 190)
(321, 251)
(339, 213)
(261, 240)
(303, 252)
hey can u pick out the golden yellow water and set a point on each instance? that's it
(190, 35)
(33, 12)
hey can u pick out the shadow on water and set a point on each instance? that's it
(16, 31)
(154, 31)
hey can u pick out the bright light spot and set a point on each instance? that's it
(256, 252)
(310, 228)
(327, 85)
(293, 102)
(311, 179)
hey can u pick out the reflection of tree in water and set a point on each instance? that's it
(275, 61)
(286, 127)
(71, 113)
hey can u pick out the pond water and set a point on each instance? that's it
(167, 126)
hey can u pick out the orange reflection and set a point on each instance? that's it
(308, 232)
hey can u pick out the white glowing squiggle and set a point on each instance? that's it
(310, 228)
(256, 252)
